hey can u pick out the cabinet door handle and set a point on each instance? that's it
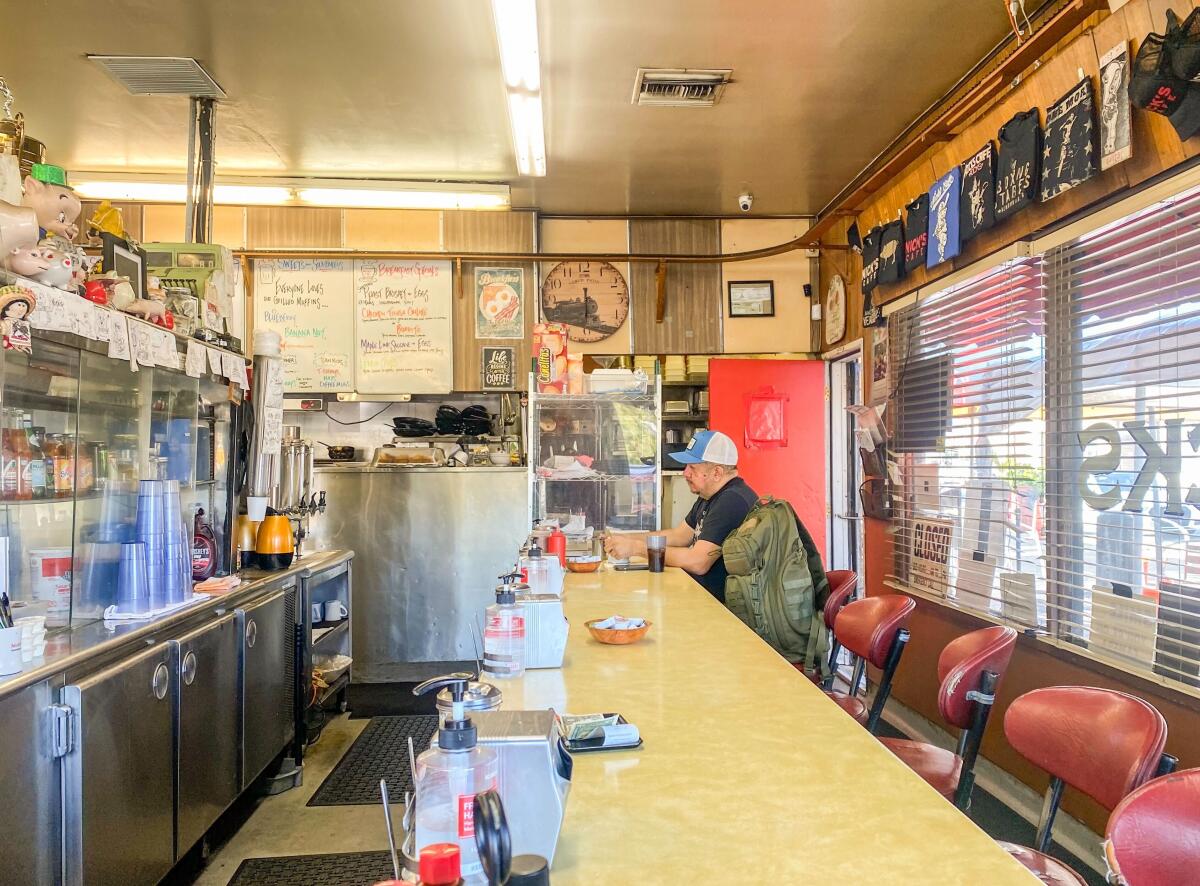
(188, 669)
(162, 681)
(251, 632)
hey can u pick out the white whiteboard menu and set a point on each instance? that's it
(310, 303)
(403, 327)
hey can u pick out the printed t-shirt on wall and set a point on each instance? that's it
(978, 210)
(891, 249)
(943, 218)
(916, 233)
(1070, 155)
(870, 259)
(1018, 167)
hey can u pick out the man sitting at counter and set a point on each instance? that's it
(724, 500)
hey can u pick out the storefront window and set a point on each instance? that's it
(1047, 442)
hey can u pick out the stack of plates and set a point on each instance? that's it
(697, 366)
(675, 369)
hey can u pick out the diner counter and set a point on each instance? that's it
(748, 771)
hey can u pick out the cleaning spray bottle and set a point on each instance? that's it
(504, 631)
(448, 777)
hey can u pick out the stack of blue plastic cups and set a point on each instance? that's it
(179, 586)
(133, 588)
(152, 534)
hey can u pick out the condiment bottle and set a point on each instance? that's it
(556, 544)
(440, 865)
(504, 634)
(537, 571)
(204, 548)
(449, 776)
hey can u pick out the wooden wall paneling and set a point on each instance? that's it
(582, 236)
(293, 227)
(790, 330)
(487, 232)
(849, 265)
(164, 223)
(472, 230)
(692, 324)
(406, 230)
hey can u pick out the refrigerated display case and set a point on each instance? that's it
(595, 459)
(80, 429)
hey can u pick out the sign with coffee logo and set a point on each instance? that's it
(498, 367)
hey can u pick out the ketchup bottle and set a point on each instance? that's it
(440, 865)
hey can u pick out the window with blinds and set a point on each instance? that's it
(1124, 390)
(969, 366)
(1046, 440)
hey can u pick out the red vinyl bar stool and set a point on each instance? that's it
(1153, 836)
(842, 585)
(873, 629)
(970, 668)
(1103, 742)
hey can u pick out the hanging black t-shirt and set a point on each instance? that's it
(713, 520)
(1070, 153)
(1018, 167)
(891, 252)
(870, 259)
(916, 233)
(978, 198)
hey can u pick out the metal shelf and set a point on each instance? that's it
(550, 400)
(333, 689)
(684, 417)
(319, 635)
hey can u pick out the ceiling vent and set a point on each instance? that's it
(679, 87)
(160, 75)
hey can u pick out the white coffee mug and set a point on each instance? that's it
(10, 651)
(335, 610)
(317, 612)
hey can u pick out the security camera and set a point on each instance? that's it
(745, 201)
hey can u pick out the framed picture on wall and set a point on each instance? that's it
(751, 298)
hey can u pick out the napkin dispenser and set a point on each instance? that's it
(534, 775)
(546, 630)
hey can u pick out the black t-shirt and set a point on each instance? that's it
(870, 259)
(1070, 153)
(1018, 168)
(714, 519)
(891, 249)
(978, 212)
(916, 233)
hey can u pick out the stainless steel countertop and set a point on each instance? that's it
(365, 468)
(73, 647)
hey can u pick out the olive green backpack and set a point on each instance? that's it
(777, 583)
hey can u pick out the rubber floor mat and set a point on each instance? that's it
(380, 751)
(336, 869)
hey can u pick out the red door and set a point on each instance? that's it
(745, 398)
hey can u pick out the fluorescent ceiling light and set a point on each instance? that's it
(517, 34)
(517, 37)
(371, 194)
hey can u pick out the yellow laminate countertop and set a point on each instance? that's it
(747, 772)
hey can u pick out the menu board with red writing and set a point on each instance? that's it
(403, 327)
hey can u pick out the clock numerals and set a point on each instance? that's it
(590, 297)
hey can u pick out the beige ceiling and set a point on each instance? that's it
(412, 88)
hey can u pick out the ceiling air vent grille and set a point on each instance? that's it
(160, 75)
(680, 87)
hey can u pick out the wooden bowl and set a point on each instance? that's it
(582, 565)
(614, 636)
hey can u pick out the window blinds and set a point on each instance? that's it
(968, 438)
(1047, 443)
(1125, 445)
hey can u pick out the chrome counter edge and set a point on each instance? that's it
(95, 640)
(417, 469)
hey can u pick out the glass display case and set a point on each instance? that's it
(594, 459)
(80, 429)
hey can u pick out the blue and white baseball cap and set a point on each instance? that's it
(710, 446)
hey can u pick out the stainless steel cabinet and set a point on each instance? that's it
(268, 635)
(31, 849)
(207, 774)
(118, 780)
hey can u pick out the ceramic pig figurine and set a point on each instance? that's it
(60, 267)
(26, 261)
(56, 206)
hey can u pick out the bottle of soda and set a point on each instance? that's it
(35, 467)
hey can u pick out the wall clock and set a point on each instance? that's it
(835, 310)
(590, 297)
